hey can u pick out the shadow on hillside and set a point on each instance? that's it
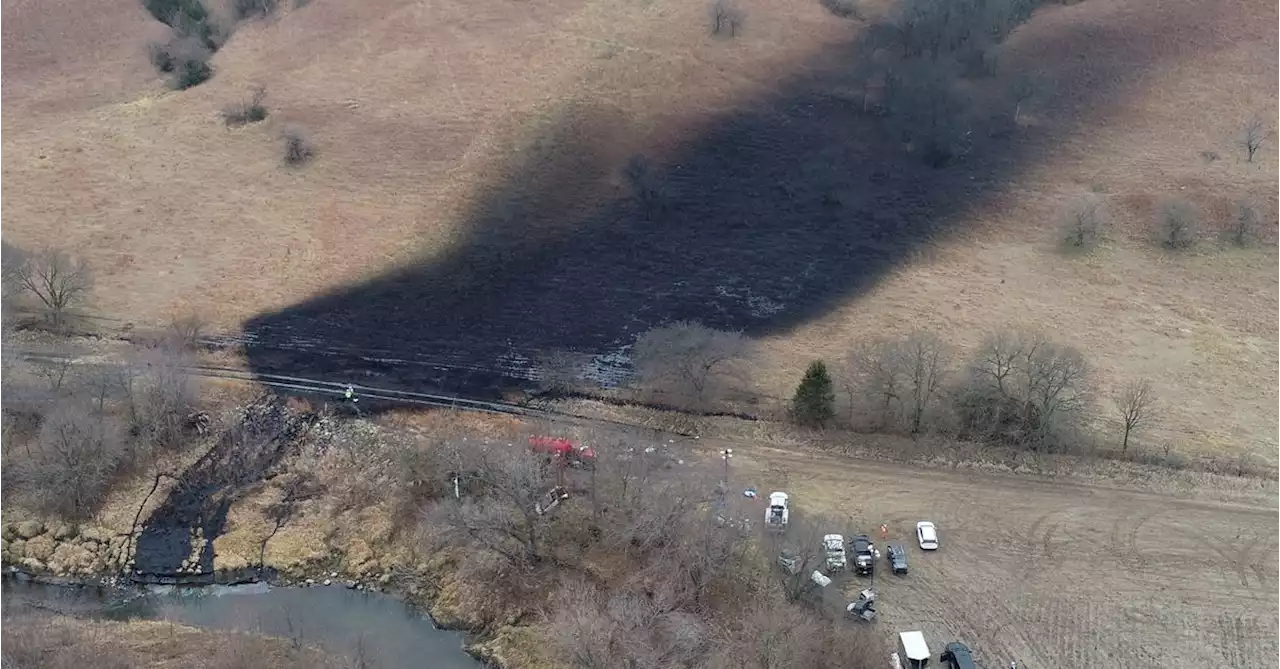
(776, 213)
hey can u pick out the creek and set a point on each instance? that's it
(383, 630)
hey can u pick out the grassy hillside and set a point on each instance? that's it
(424, 113)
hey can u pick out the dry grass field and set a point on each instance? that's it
(426, 112)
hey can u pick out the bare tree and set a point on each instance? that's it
(687, 359)
(1083, 224)
(58, 281)
(12, 261)
(1135, 405)
(1024, 88)
(160, 395)
(1252, 135)
(506, 517)
(876, 367)
(560, 371)
(1178, 225)
(1023, 386)
(928, 362)
(726, 18)
(903, 378)
(75, 457)
(602, 630)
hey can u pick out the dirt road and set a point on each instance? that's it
(1056, 576)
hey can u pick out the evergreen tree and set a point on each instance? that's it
(814, 401)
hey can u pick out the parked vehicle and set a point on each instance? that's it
(864, 607)
(897, 557)
(927, 535)
(778, 513)
(957, 656)
(833, 552)
(864, 557)
(913, 652)
(564, 451)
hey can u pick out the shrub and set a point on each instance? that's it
(814, 401)
(253, 9)
(191, 71)
(298, 149)
(1179, 225)
(70, 465)
(845, 9)
(1243, 230)
(252, 110)
(1083, 226)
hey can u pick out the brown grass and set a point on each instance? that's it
(58, 641)
(99, 157)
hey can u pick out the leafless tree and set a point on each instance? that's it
(505, 518)
(57, 280)
(927, 365)
(902, 377)
(74, 459)
(687, 359)
(1023, 386)
(1024, 88)
(1135, 405)
(12, 260)
(726, 18)
(560, 371)
(1179, 225)
(1252, 135)
(160, 395)
(1083, 224)
(601, 630)
(790, 637)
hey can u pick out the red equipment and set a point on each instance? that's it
(569, 452)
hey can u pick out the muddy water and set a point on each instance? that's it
(384, 631)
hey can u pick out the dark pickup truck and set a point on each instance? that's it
(897, 558)
(864, 559)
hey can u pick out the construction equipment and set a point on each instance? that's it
(833, 552)
(564, 452)
(864, 607)
(551, 500)
(778, 514)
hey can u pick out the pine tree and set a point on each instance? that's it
(814, 401)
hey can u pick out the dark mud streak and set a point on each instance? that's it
(776, 214)
(204, 492)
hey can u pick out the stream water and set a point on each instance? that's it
(388, 633)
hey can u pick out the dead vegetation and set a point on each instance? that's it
(37, 639)
(298, 149)
(248, 111)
